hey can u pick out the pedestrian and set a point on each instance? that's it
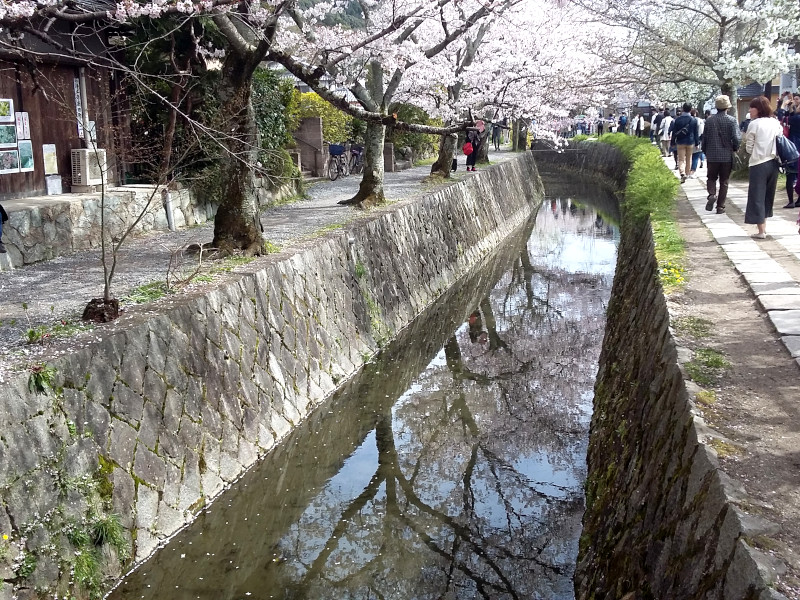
(3, 219)
(792, 120)
(623, 122)
(684, 135)
(655, 125)
(721, 138)
(759, 141)
(474, 138)
(638, 127)
(664, 133)
(697, 151)
(600, 127)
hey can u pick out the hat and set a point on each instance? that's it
(722, 102)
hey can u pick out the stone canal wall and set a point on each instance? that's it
(106, 452)
(662, 520)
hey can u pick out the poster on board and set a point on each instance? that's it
(25, 156)
(8, 136)
(50, 159)
(9, 161)
(6, 110)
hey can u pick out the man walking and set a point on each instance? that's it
(685, 136)
(721, 139)
(655, 125)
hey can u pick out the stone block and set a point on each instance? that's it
(146, 544)
(146, 506)
(155, 388)
(149, 467)
(123, 497)
(151, 425)
(229, 466)
(122, 443)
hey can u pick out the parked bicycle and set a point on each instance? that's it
(338, 163)
(356, 159)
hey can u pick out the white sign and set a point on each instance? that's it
(23, 126)
(78, 106)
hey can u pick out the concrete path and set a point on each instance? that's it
(57, 290)
(777, 290)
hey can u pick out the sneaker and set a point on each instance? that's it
(790, 205)
(683, 178)
(2, 248)
(720, 210)
(759, 236)
(797, 204)
(710, 204)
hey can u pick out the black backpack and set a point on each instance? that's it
(786, 151)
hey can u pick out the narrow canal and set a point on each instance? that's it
(452, 467)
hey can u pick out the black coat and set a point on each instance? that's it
(3, 214)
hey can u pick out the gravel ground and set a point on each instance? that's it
(56, 291)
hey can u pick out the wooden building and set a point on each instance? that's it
(41, 120)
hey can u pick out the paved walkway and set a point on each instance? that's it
(57, 290)
(777, 290)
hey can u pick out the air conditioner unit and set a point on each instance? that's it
(88, 166)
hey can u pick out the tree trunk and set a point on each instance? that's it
(483, 149)
(444, 162)
(522, 137)
(237, 225)
(370, 192)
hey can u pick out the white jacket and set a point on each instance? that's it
(666, 122)
(759, 139)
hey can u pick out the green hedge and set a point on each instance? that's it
(651, 190)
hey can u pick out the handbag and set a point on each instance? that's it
(786, 151)
(467, 149)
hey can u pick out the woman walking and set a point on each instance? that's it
(792, 119)
(759, 140)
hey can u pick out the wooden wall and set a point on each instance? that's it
(49, 101)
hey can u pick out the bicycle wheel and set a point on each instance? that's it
(333, 168)
(344, 166)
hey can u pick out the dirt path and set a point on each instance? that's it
(758, 397)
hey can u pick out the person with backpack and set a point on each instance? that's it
(721, 138)
(759, 141)
(685, 136)
(792, 122)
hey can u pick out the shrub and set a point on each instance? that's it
(651, 190)
(422, 144)
(336, 125)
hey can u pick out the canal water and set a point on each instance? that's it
(451, 467)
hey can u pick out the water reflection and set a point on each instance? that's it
(451, 468)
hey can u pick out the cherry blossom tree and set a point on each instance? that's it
(525, 64)
(397, 41)
(699, 46)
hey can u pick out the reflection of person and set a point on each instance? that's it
(759, 140)
(476, 332)
(3, 219)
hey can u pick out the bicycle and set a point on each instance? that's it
(337, 163)
(356, 160)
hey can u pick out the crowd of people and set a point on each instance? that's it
(714, 139)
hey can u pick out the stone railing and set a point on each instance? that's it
(45, 227)
(662, 520)
(151, 423)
